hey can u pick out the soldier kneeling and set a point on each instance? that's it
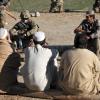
(22, 32)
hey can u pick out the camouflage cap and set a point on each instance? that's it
(25, 14)
(91, 12)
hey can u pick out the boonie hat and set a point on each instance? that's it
(88, 13)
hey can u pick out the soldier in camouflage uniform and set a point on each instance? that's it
(60, 5)
(53, 6)
(2, 20)
(3, 6)
(96, 6)
(56, 6)
(22, 32)
(89, 27)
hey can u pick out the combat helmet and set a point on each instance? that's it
(25, 14)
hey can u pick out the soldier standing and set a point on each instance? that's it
(22, 32)
(53, 6)
(2, 20)
(96, 6)
(3, 6)
(60, 5)
(56, 6)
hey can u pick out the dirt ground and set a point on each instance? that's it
(59, 31)
(58, 27)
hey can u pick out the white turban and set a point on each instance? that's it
(3, 33)
(39, 36)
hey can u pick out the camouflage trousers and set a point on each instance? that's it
(56, 7)
(53, 7)
(60, 6)
(2, 18)
(2, 13)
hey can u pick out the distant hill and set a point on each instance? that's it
(43, 5)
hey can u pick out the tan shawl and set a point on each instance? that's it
(5, 51)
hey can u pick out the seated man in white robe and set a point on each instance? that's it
(40, 64)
